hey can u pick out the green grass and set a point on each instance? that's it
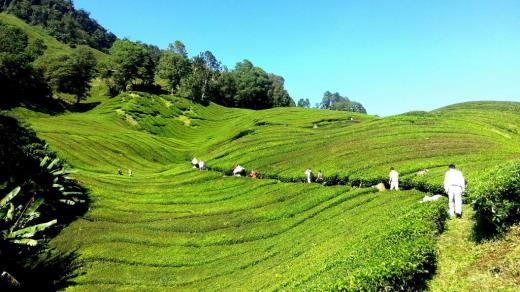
(465, 265)
(170, 226)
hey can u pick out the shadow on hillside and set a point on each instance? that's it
(483, 230)
(22, 163)
(60, 106)
(52, 107)
(49, 270)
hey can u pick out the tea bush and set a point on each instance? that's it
(496, 197)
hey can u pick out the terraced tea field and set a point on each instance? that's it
(170, 226)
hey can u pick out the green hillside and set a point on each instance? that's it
(170, 226)
(54, 47)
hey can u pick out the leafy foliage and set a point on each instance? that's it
(61, 20)
(496, 197)
(26, 162)
(173, 67)
(19, 78)
(305, 103)
(15, 220)
(129, 63)
(335, 101)
(72, 73)
(47, 200)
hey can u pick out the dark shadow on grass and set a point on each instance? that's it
(37, 268)
(48, 270)
(84, 107)
(483, 230)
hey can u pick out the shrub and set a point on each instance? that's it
(496, 197)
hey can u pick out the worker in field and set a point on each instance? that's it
(130, 173)
(202, 165)
(195, 162)
(319, 177)
(454, 186)
(394, 179)
(253, 174)
(120, 171)
(308, 174)
(239, 170)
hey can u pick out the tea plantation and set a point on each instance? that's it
(171, 226)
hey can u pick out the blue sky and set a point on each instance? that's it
(392, 56)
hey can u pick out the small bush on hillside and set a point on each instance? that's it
(496, 198)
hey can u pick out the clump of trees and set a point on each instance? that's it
(18, 75)
(202, 78)
(334, 101)
(72, 73)
(130, 66)
(61, 20)
(24, 82)
(305, 103)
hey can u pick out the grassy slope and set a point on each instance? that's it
(54, 47)
(473, 135)
(467, 266)
(169, 226)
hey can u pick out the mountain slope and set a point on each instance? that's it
(170, 226)
(54, 47)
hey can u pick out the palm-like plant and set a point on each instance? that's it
(15, 225)
(61, 181)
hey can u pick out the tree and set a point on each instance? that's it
(334, 101)
(60, 19)
(305, 103)
(179, 48)
(72, 73)
(172, 68)
(19, 78)
(349, 106)
(277, 92)
(225, 89)
(129, 62)
(252, 85)
(329, 99)
(200, 84)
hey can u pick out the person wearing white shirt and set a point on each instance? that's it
(454, 186)
(202, 165)
(238, 171)
(394, 179)
(195, 163)
(308, 173)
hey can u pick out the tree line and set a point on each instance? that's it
(202, 78)
(129, 66)
(334, 101)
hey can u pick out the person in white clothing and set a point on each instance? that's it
(195, 162)
(239, 170)
(202, 165)
(454, 186)
(394, 179)
(308, 174)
